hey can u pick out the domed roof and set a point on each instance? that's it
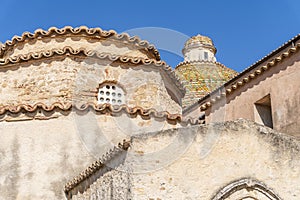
(200, 78)
(199, 72)
(200, 40)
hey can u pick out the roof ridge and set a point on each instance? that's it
(99, 163)
(70, 50)
(75, 31)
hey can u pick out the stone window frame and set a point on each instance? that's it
(250, 185)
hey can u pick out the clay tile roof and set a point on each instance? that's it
(249, 73)
(82, 30)
(101, 108)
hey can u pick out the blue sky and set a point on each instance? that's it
(243, 31)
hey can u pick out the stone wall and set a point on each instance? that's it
(110, 182)
(69, 80)
(111, 186)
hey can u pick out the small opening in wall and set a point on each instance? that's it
(205, 55)
(263, 111)
(111, 93)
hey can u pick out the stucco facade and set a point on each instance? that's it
(37, 155)
(282, 84)
(232, 160)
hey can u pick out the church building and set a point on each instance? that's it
(88, 114)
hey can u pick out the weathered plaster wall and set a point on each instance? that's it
(198, 162)
(101, 132)
(37, 157)
(282, 83)
(218, 155)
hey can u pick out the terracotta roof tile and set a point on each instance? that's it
(82, 30)
(102, 108)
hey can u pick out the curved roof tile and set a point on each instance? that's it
(102, 108)
(53, 32)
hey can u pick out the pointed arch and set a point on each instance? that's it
(246, 189)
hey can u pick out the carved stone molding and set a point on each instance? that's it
(246, 188)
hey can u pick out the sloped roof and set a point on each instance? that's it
(250, 73)
(95, 166)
